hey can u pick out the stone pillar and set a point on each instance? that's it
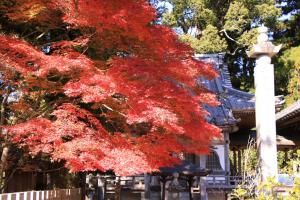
(202, 183)
(263, 51)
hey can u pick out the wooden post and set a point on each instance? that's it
(118, 189)
(226, 153)
(146, 195)
(234, 161)
(105, 188)
(190, 182)
(82, 184)
(285, 156)
(239, 162)
(163, 180)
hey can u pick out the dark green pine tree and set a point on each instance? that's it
(213, 26)
(288, 70)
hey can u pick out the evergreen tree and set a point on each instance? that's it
(290, 36)
(288, 69)
(224, 26)
(290, 66)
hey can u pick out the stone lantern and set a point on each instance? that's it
(263, 51)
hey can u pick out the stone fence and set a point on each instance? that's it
(59, 194)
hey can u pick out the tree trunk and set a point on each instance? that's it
(5, 145)
(4, 158)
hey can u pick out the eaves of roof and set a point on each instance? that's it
(288, 112)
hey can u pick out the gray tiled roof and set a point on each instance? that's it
(230, 98)
(288, 112)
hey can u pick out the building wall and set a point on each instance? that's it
(220, 150)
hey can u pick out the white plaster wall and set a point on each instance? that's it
(220, 150)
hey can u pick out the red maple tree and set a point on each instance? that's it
(118, 94)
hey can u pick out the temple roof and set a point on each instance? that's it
(287, 129)
(231, 99)
(288, 122)
(241, 140)
(237, 108)
(288, 113)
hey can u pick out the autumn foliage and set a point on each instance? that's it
(118, 94)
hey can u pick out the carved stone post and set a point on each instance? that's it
(202, 183)
(263, 51)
